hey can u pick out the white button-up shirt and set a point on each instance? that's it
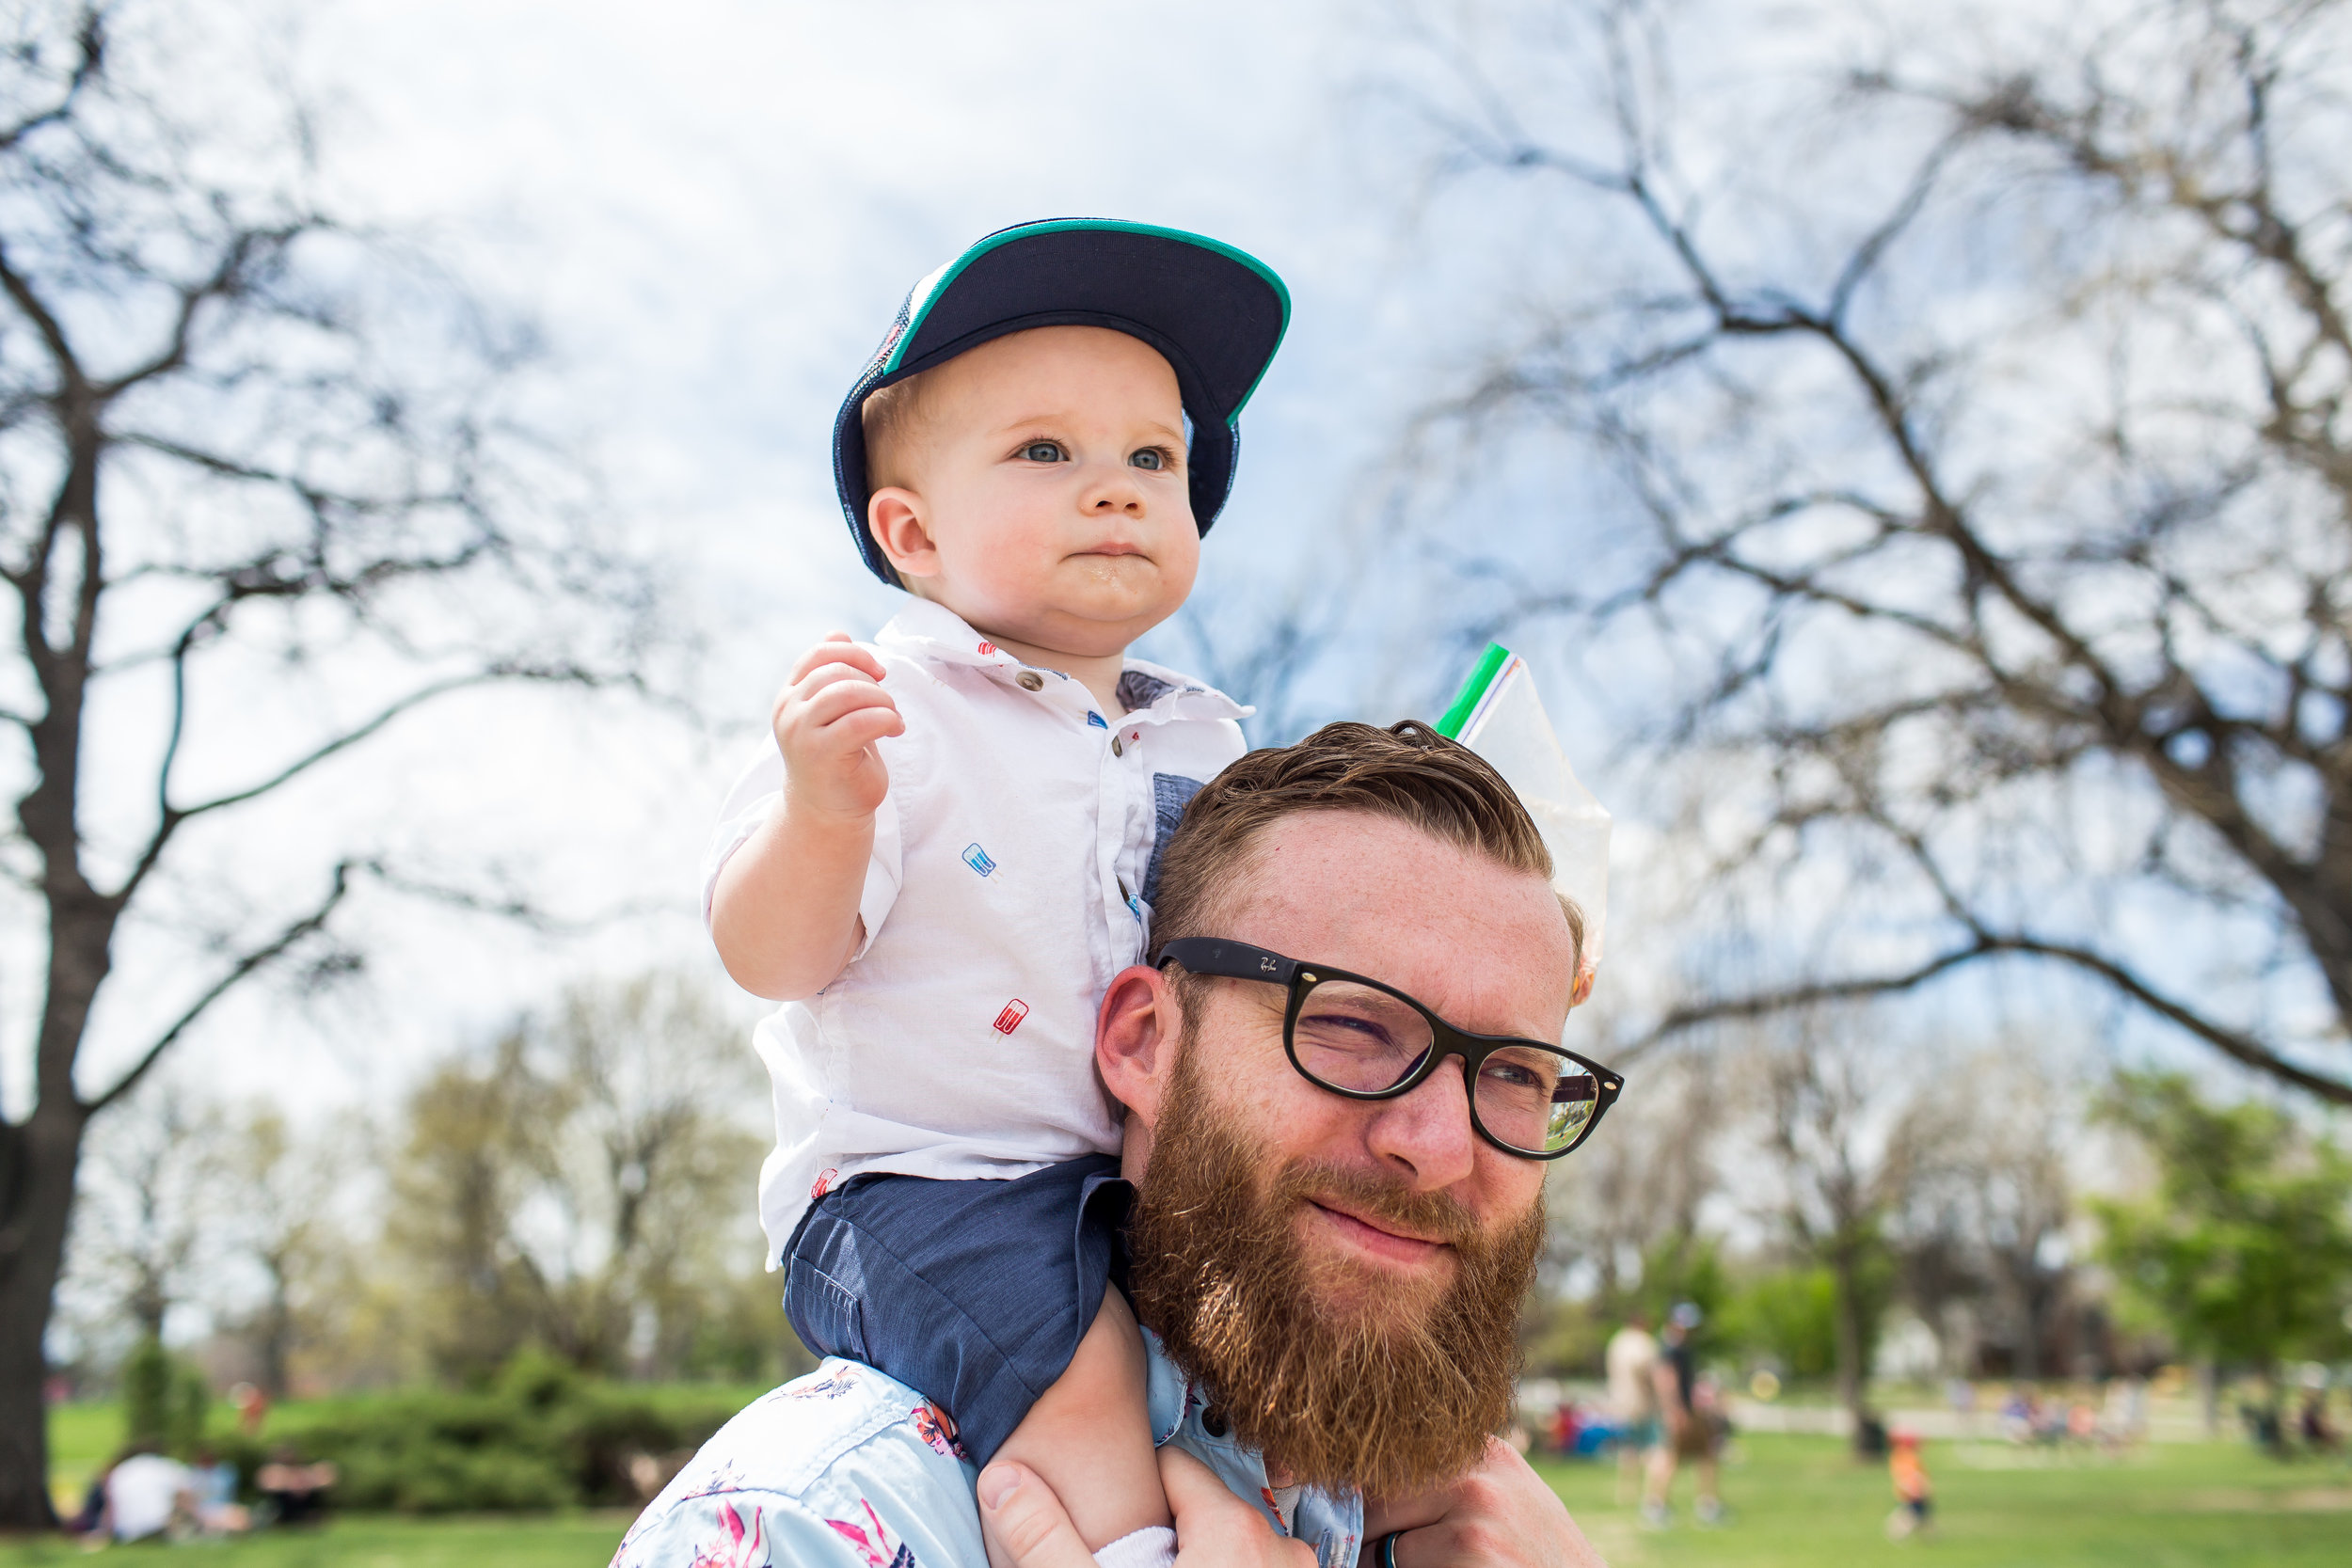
(1015, 858)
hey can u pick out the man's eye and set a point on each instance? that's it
(1150, 457)
(1336, 1026)
(1043, 451)
(1510, 1074)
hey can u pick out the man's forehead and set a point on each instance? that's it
(1484, 943)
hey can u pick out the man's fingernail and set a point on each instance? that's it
(996, 1484)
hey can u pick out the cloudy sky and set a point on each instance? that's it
(712, 211)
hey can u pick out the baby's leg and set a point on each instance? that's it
(1089, 1435)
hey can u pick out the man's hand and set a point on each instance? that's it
(826, 721)
(1501, 1515)
(1025, 1523)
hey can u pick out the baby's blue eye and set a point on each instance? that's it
(1042, 452)
(1147, 458)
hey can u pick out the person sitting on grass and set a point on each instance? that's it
(147, 1494)
(294, 1491)
(1341, 1087)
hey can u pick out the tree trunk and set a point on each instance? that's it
(277, 1336)
(36, 1165)
(37, 1162)
(2029, 1334)
(1844, 1266)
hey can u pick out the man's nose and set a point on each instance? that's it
(1426, 1134)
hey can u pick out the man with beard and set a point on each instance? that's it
(1341, 1098)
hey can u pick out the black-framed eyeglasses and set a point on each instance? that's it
(1356, 1036)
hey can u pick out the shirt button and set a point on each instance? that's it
(1117, 749)
(1030, 680)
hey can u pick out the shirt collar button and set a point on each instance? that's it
(1030, 680)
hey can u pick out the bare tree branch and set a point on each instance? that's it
(256, 958)
(1908, 631)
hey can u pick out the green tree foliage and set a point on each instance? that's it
(1563, 1337)
(2245, 1249)
(1789, 1316)
(282, 1224)
(1819, 1088)
(165, 1400)
(585, 1188)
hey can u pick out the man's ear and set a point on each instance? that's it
(1135, 1041)
(894, 514)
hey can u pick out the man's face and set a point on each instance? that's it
(1049, 481)
(1406, 1239)
(1486, 947)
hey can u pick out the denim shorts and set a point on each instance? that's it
(974, 1293)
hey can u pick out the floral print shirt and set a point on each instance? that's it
(847, 1468)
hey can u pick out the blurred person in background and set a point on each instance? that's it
(147, 1494)
(213, 1481)
(1915, 1495)
(293, 1492)
(2313, 1425)
(1631, 1359)
(1690, 1432)
(86, 1518)
(252, 1407)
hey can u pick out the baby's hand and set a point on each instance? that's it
(826, 722)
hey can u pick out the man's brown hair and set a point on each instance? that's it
(1408, 772)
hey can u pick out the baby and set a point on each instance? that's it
(953, 845)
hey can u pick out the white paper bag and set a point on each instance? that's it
(1499, 715)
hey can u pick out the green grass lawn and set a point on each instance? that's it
(82, 1436)
(1794, 1500)
(1803, 1500)
(379, 1541)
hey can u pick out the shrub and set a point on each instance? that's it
(541, 1436)
(165, 1400)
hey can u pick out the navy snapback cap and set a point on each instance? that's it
(1215, 313)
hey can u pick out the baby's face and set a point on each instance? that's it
(1048, 474)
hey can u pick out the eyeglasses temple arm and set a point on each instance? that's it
(1236, 961)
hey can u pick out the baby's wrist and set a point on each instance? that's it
(809, 810)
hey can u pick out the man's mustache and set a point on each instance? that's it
(1385, 1201)
(1394, 1388)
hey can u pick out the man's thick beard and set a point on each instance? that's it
(1322, 1370)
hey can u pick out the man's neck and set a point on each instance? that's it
(1098, 672)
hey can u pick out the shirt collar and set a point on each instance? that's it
(929, 631)
(932, 631)
(1331, 1522)
(1154, 689)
